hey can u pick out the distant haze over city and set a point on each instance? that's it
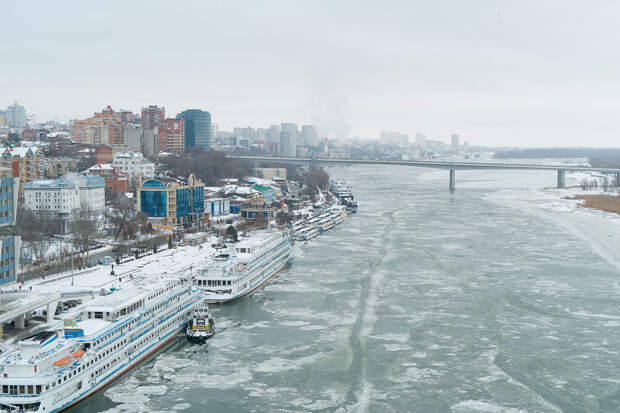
(496, 73)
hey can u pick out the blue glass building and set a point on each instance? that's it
(172, 204)
(10, 241)
(197, 128)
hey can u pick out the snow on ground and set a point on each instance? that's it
(169, 261)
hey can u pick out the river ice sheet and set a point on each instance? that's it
(476, 301)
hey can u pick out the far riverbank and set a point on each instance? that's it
(606, 202)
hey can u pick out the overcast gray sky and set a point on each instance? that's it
(527, 73)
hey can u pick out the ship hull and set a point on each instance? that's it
(158, 347)
(213, 300)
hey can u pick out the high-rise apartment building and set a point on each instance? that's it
(420, 139)
(16, 116)
(3, 118)
(132, 135)
(171, 136)
(197, 128)
(274, 134)
(248, 132)
(394, 138)
(105, 127)
(288, 140)
(309, 135)
(455, 141)
(152, 116)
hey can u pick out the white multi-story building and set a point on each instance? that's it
(217, 207)
(394, 138)
(16, 116)
(134, 164)
(288, 140)
(66, 198)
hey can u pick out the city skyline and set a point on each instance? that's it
(498, 74)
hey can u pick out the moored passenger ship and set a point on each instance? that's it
(246, 266)
(56, 369)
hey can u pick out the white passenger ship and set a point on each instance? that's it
(54, 370)
(246, 266)
(340, 189)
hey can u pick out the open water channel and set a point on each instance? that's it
(481, 300)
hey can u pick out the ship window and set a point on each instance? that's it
(38, 389)
(5, 389)
(30, 389)
(13, 389)
(98, 314)
(22, 389)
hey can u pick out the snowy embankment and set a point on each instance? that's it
(182, 260)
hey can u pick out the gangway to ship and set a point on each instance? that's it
(24, 306)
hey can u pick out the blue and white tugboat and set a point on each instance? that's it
(201, 327)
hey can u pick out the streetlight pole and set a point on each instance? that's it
(71, 266)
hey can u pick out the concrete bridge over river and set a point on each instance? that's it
(451, 166)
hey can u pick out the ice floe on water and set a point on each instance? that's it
(401, 338)
(279, 365)
(396, 347)
(152, 390)
(477, 406)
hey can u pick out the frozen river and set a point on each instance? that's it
(495, 298)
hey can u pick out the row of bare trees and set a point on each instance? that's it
(39, 232)
(608, 185)
(209, 166)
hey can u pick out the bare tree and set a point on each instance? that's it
(85, 230)
(121, 216)
(317, 177)
(284, 218)
(260, 221)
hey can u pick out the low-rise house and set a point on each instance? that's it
(269, 194)
(269, 173)
(217, 206)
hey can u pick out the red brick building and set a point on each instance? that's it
(105, 153)
(152, 116)
(115, 180)
(171, 136)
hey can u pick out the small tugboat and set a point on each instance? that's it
(201, 327)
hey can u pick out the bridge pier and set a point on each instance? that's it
(20, 322)
(452, 179)
(51, 311)
(561, 178)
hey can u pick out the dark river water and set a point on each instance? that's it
(481, 300)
